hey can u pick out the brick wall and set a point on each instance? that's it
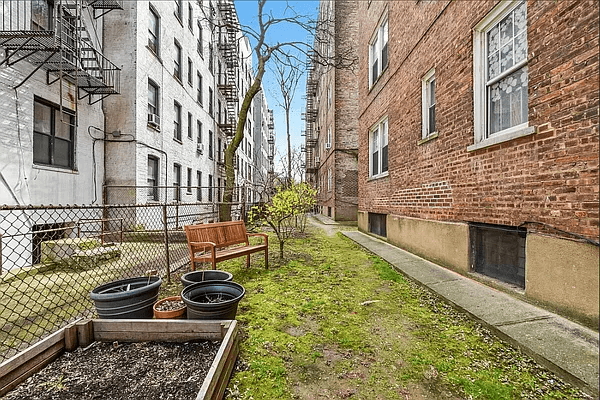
(550, 176)
(341, 118)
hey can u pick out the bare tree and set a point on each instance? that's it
(287, 75)
(285, 53)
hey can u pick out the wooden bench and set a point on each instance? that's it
(222, 241)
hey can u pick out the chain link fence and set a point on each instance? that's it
(51, 257)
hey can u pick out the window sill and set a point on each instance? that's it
(429, 138)
(376, 177)
(177, 140)
(379, 77)
(501, 138)
(178, 18)
(55, 169)
(154, 128)
(154, 53)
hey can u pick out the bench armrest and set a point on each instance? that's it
(203, 244)
(264, 235)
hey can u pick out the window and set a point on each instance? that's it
(190, 17)
(189, 180)
(210, 188)
(178, 10)
(199, 94)
(501, 75)
(154, 31)
(328, 96)
(190, 72)
(177, 61)
(42, 15)
(219, 112)
(378, 52)
(378, 149)
(219, 152)
(152, 98)
(152, 178)
(328, 144)
(176, 182)
(199, 128)
(199, 185)
(210, 145)
(329, 180)
(177, 122)
(428, 104)
(53, 135)
(210, 101)
(190, 130)
(210, 58)
(200, 48)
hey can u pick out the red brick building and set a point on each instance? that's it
(331, 111)
(478, 141)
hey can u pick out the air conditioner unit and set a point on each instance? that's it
(327, 145)
(200, 148)
(153, 120)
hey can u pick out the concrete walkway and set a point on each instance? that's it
(564, 347)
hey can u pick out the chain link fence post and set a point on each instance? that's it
(166, 233)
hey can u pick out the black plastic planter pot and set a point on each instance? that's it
(131, 298)
(206, 275)
(212, 299)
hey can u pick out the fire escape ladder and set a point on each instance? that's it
(54, 36)
(310, 118)
(227, 83)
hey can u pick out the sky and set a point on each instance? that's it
(247, 11)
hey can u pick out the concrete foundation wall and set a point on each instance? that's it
(444, 243)
(564, 274)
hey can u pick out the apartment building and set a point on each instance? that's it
(262, 157)
(331, 124)
(478, 141)
(54, 74)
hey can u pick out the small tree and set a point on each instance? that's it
(282, 212)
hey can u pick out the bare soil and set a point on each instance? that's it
(170, 305)
(123, 371)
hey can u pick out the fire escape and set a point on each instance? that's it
(53, 36)
(310, 118)
(228, 46)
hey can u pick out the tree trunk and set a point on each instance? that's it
(281, 249)
(289, 145)
(225, 209)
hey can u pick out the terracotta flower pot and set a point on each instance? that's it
(180, 313)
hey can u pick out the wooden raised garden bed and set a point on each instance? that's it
(83, 333)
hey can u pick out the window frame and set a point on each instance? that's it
(54, 109)
(178, 59)
(210, 145)
(190, 128)
(189, 181)
(481, 120)
(190, 18)
(190, 72)
(177, 182)
(199, 93)
(200, 45)
(154, 180)
(154, 47)
(178, 11)
(376, 47)
(199, 185)
(383, 122)
(177, 121)
(426, 106)
(156, 90)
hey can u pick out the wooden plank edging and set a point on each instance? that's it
(210, 388)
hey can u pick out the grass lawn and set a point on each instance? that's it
(332, 321)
